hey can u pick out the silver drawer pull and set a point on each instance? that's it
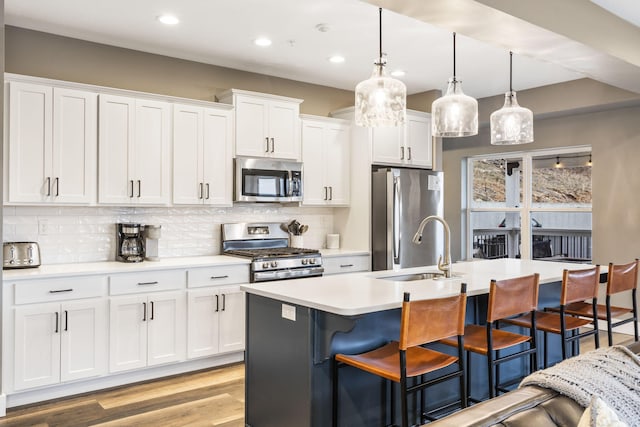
(147, 283)
(219, 277)
(346, 265)
(58, 291)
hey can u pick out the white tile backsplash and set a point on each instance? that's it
(87, 234)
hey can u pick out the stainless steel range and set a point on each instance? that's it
(267, 244)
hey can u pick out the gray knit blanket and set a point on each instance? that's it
(611, 373)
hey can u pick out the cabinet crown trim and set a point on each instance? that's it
(226, 96)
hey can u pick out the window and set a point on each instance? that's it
(530, 205)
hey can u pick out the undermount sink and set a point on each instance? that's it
(438, 275)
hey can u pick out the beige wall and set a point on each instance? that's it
(614, 135)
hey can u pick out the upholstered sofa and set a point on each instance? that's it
(529, 406)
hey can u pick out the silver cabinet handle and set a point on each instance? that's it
(139, 187)
(147, 283)
(48, 186)
(409, 151)
(219, 277)
(224, 301)
(200, 192)
(267, 140)
(346, 265)
(326, 193)
(207, 185)
(217, 303)
(401, 153)
(58, 291)
(144, 311)
(57, 184)
(57, 320)
(152, 311)
(331, 193)
(131, 193)
(66, 320)
(273, 144)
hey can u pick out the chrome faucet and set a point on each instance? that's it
(417, 239)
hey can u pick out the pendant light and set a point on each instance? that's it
(381, 100)
(512, 124)
(454, 114)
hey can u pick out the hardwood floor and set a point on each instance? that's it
(212, 397)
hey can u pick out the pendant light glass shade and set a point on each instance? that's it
(512, 124)
(380, 100)
(454, 114)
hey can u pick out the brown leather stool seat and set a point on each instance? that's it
(422, 322)
(507, 298)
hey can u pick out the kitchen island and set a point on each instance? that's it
(294, 327)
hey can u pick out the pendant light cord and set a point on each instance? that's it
(454, 56)
(380, 62)
(510, 72)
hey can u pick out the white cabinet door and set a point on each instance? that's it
(166, 325)
(315, 191)
(83, 336)
(52, 144)
(127, 333)
(37, 345)
(187, 155)
(418, 140)
(387, 145)
(337, 164)
(133, 151)
(202, 325)
(283, 130)
(232, 319)
(252, 132)
(75, 140)
(149, 168)
(217, 175)
(116, 133)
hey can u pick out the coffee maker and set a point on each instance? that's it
(151, 235)
(130, 242)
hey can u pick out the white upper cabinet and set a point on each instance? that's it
(202, 161)
(266, 125)
(134, 149)
(326, 158)
(52, 145)
(408, 145)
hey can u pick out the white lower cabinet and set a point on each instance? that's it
(216, 321)
(147, 330)
(346, 264)
(57, 342)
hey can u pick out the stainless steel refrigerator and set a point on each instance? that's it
(400, 199)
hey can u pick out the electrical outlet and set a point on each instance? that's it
(289, 312)
(43, 227)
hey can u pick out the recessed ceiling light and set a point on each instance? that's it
(168, 19)
(398, 73)
(336, 59)
(262, 41)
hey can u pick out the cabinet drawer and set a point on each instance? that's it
(148, 281)
(59, 289)
(222, 275)
(346, 264)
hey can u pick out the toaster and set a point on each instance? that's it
(20, 255)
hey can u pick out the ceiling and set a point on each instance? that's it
(416, 38)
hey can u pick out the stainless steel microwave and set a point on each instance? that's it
(265, 180)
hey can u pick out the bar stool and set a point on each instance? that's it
(507, 298)
(620, 278)
(422, 322)
(577, 285)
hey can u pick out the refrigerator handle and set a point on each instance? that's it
(397, 206)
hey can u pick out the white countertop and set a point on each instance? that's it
(360, 293)
(112, 267)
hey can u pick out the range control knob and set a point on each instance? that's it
(304, 261)
(312, 261)
(274, 264)
(265, 265)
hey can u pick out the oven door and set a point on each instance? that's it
(292, 273)
(263, 180)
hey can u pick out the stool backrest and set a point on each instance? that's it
(623, 277)
(579, 285)
(512, 296)
(426, 321)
